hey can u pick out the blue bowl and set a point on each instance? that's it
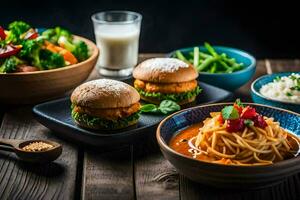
(259, 98)
(227, 176)
(228, 81)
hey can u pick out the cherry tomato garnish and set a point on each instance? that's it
(248, 113)
(220, 119)
(238, 108)
(235, 125)
(260, 121)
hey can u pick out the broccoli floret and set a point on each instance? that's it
(53, 34)
(31, 51)
(78, 48)
(63, 32)
(81, 51)
(50, 35)
(10, 64)
(16, 29)
(50, 60)
(2, 43)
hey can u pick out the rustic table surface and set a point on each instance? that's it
(132, 172)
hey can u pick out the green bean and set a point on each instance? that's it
(201, 54)
(180, 56)
(210, 49)
(196, 56)
(206, 63)
(237, 67)
(213, 68)
(224, 64)
(204, 55)
(230, 61)
(210, 61)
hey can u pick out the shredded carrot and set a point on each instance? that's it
(68, 56)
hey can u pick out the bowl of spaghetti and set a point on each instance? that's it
(232, 145)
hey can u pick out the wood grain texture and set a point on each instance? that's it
(140, 172)
(19, 180)
(108, 175)
(284, 65)
(155, 177)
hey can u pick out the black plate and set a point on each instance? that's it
(56, 116)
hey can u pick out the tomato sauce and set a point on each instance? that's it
(180, 141)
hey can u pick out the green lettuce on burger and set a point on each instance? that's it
(105, 104)
(159, 79)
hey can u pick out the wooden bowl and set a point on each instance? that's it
(34, 87)
(227, 176)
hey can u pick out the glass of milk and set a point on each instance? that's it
(117, 36)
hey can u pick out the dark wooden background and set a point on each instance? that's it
(131, 172)
(266, 29)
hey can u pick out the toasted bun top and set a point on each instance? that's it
(165, 70)
(105, 93)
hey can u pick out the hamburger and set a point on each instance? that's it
(105, 104)
(160, 79)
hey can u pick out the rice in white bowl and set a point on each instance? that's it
(286, 88)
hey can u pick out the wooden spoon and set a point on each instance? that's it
(48, 155)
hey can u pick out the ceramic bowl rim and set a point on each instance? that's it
(166, 147)
(234, 50)
(254, 90)
(94, 55)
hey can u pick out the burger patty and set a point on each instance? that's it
(109, 113)
(167, 88)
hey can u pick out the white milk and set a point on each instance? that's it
(118, 46)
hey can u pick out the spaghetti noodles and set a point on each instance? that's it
(253, 139)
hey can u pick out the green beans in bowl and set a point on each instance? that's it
(225, 67)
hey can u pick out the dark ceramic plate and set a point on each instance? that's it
(56, 116)
(226, 176)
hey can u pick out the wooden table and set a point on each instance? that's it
(132, 172)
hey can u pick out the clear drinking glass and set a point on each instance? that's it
(117, 36)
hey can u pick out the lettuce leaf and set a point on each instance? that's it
(106, 124)
(174, 97)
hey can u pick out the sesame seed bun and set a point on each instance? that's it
(104, 93)
(165, 70)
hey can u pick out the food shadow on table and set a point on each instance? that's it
(196, 190)
(56, 115)
(51, 170)
(193, 190)
(169, 178)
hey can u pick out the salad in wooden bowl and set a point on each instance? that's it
(41, 64)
